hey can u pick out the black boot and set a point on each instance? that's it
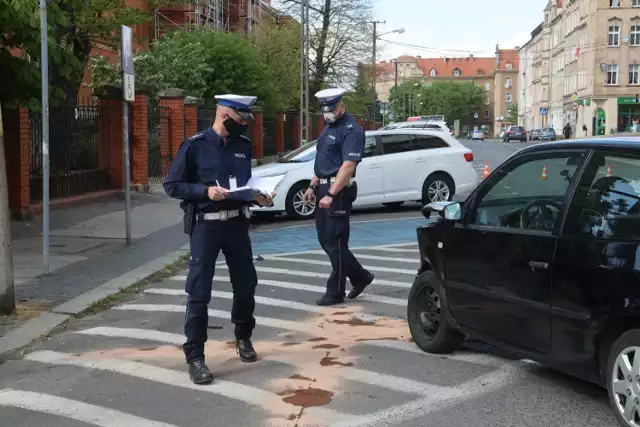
(199, 372)
(246, 351)
(360, 287)
(330, 300)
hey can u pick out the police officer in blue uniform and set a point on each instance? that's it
(339, 149)
(206, 167)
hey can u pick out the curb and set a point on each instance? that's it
(50, 320)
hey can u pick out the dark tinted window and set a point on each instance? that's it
(392, 144)
(425, 142)
(370, 146)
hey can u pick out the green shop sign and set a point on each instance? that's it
(627, 100)
(584, 101)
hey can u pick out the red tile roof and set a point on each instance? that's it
(468, 66)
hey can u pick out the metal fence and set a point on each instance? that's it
(159, 137)
(205, 118)
(269, 147)
(289, 132)
(78, 158)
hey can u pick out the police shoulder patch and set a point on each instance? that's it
(197, 136)
(246, 138)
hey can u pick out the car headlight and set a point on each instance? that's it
(275, 175)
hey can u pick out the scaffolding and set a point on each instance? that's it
(216, 15)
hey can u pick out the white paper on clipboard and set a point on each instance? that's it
(266, 185)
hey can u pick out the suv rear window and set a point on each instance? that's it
(518, 128)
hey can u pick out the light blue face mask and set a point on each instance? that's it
(329, 114)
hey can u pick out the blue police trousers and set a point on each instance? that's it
(333, 228)
(207, 240)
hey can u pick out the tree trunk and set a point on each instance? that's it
(320, 72)
(7, 296)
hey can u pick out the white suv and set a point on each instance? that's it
(399, 165)
(420, 124)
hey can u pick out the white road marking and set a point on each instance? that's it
(311, 288)
(365, 256)
(328, 264)
(304, 328)
(250, 395)
(73, 409)
(400, 250)
(391, 382)
(485, 384)
(314, 275)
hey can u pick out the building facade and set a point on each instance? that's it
(497, 75)
(593, 67)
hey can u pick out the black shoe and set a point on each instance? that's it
(246, 351)
(360, 287)
(330, 300)
(199, 372)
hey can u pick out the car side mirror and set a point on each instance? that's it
(451, 211)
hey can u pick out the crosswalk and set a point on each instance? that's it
(347, 365)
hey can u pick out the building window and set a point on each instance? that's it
(481, 73)
(487, 86)
(487, 101)
(486, 114)
(456, 72)
(636, 3)
(432, 73)
(509, 66)
(634, 36)
(507, 98)
(614, 3)
(507, 83)
(612, 74)
(614, 35)
(634, 74)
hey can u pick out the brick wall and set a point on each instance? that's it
(139, 142)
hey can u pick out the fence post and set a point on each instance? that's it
(110, 137)
(174, 100)
(140, 143)
(190, 116)
(295, 114)
(319, 126)
(255, 132)
(279, 132)
(16, 139)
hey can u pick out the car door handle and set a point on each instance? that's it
(539, 265)
(421, 159)
(374, 166)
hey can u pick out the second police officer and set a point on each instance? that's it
(339, 149)
(207, 165)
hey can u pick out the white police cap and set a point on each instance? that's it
(330, 97)
(241, 104)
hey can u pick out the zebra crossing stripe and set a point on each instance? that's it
(363, 256)
(303, 287)
(384, 249)
(266, 400)
(391, 382)
(73, 409)
(412, 272)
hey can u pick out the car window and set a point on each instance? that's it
(370, 146)
(426, 142)
(607, 201)
(527, 193)
(392, 144)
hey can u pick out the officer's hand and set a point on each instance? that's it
(308, 195)
(326, 202)
(217, 193)
(264, 199)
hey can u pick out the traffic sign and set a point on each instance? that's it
(129, 87)
(126, 61)
(544, 111)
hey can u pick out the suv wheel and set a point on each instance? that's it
(428, 323)
(294, 205)
(438, 187)
(623, 385)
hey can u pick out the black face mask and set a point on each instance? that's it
(234, 128)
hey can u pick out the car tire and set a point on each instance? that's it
(293, 197)
(433, 180)
(427, 317)
(393, 205)
(627, 343)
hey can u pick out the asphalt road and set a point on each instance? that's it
(349, 365)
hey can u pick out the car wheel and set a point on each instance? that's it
(393, 205)
(623, 386)
(427, 319)
(438, 187)
(294, 205)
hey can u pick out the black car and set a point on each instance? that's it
(542, 260)
(515, 132)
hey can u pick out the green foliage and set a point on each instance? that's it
(454, 100)
(279, 48)
(202, 63)
(512, 116)
(358, 102)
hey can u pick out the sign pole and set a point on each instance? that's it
(44, 64)
(128, 95)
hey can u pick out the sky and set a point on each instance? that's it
(455, 28)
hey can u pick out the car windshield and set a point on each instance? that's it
(306, 153)
(548, 130)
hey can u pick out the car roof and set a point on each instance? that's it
(625, 142)
(405, 130)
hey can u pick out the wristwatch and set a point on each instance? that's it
(313, 187)
(330, 194)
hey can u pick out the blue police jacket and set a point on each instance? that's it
(339, 141)
(205, 160)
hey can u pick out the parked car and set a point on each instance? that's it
(502, 132)
(399, 165)
(542, 260)
(515, 132)
(420, 124)
(547, 134)
(534, 135)
(477, 135)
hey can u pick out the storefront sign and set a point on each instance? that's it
(627, 100)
